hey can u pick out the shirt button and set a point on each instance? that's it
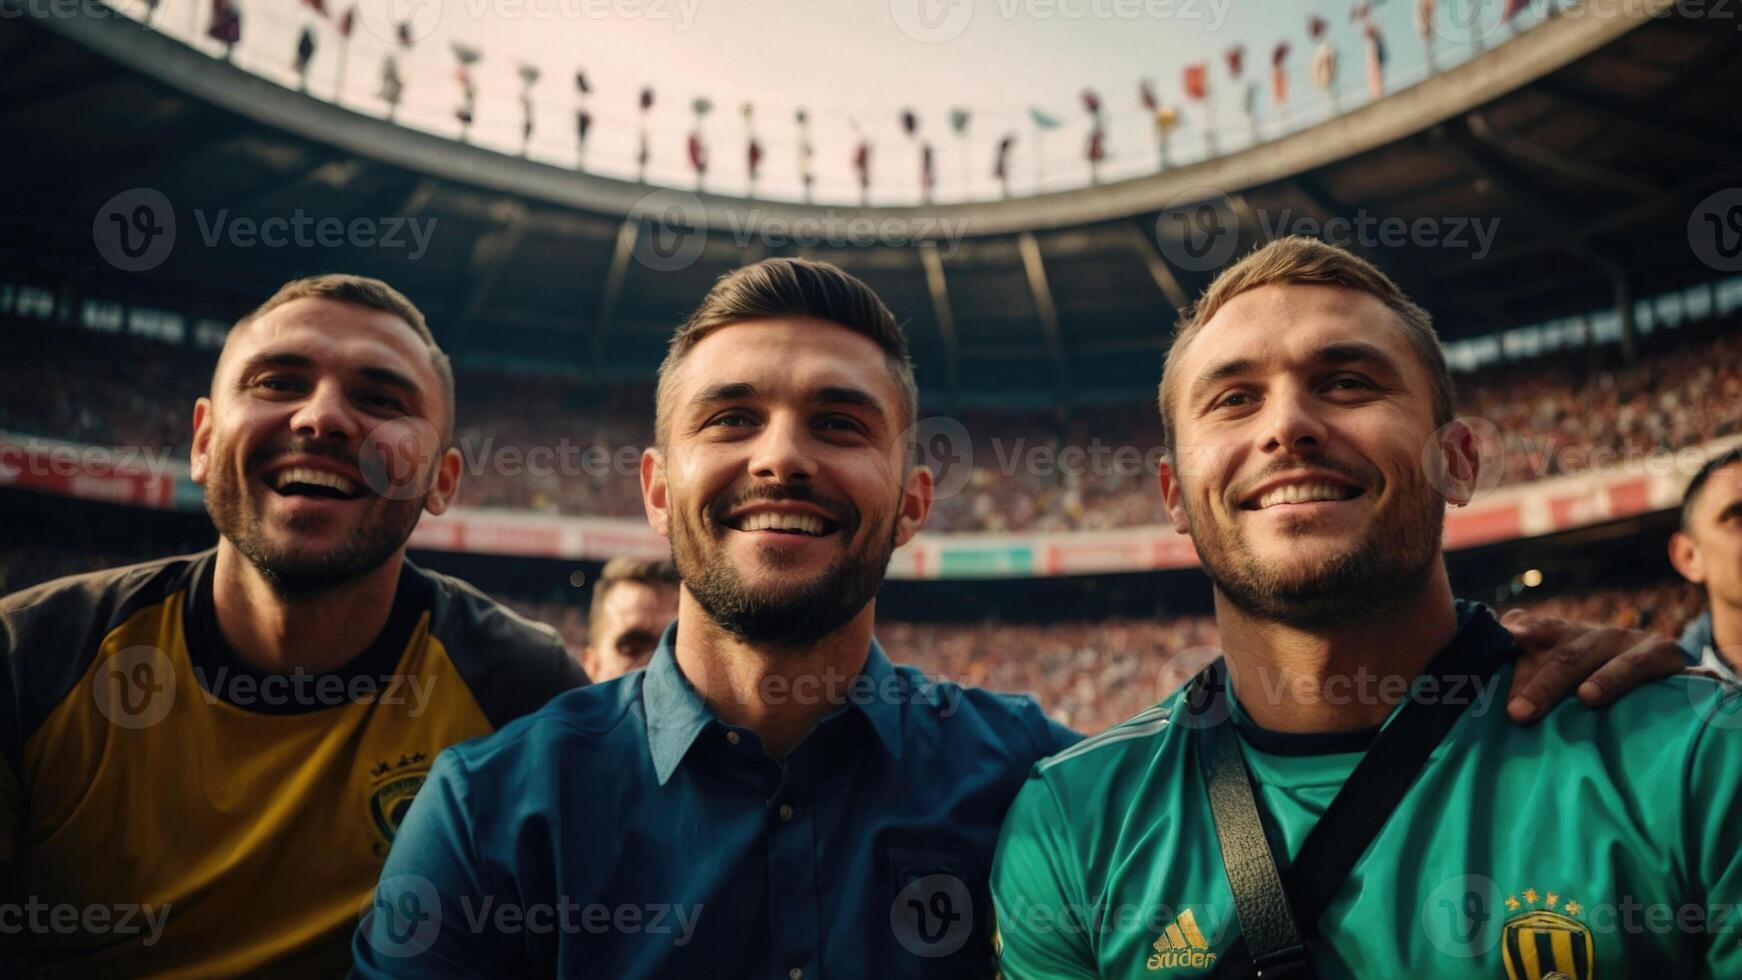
(795, 974)
(732, 737)
(786, 814)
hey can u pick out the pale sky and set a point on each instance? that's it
(847, 61)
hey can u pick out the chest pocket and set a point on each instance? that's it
(938, 911)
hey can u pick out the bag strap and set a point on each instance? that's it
(1279, 910)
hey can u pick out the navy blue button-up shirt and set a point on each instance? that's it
(624, 831)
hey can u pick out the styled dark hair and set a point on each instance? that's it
(791, 288)
(1691, 496)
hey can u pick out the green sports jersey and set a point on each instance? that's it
(1595, 843)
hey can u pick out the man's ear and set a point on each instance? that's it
(1173, 495)
(199, 455)
(1684, 554)
(445, 485)
(916, 494)
(1458, 455)
(654, 490)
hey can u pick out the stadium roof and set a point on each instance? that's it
(1533, 181)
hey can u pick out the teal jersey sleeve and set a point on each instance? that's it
(1043, 923)
(1714, 835)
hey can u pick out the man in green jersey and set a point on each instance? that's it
(1308, 412)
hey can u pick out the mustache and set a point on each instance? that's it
(838, 511)
(304, 447)
(1314, 460)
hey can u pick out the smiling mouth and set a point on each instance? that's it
(303, 481)
(805, 525)
(1304, 493)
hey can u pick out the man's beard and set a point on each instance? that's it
(290, 571)
(783, 618)
(1390, 562)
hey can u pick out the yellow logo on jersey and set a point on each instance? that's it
(1546, 939)
(1182, 945)
(395, 785)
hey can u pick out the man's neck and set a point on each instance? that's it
(281, 634)
(779, 694)
(1727, 633)
(1337, 678)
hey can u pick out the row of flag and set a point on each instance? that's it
(1197, 82)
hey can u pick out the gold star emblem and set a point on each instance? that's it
(1574, 908)
(1512, 903)
(1530, 895)
(1553, 900)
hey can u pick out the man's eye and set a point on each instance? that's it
(729, 420)
(279, 384)
(1351, 383)
(1238, 399)
(383, 402)
(840, 423)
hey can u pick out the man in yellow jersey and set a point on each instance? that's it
(203, 759)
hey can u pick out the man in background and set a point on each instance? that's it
(633, 601)
(1707, 551)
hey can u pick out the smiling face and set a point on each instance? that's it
(783, 482)
(318, 446)
(1300, 417)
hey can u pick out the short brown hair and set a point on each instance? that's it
(658, 573)
(791, 288)
(375, 295)
(1308, 261)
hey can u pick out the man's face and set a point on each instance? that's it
(782, 484)
(318, 445)
(631, 618)
(1709, 551)
(1301, 416)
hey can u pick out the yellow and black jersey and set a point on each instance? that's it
(166, 809)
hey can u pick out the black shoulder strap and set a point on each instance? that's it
(1270, 903)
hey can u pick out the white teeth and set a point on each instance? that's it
(319, 478)
(766, 521)
(1300, 493)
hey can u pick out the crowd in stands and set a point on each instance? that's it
(553, 445)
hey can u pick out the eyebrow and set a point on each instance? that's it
(1340, 354)
(856, 397)
(829, 395)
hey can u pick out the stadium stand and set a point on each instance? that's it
(1558, 415)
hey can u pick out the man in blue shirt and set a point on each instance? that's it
(771, 797)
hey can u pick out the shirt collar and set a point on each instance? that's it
(676, 714)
